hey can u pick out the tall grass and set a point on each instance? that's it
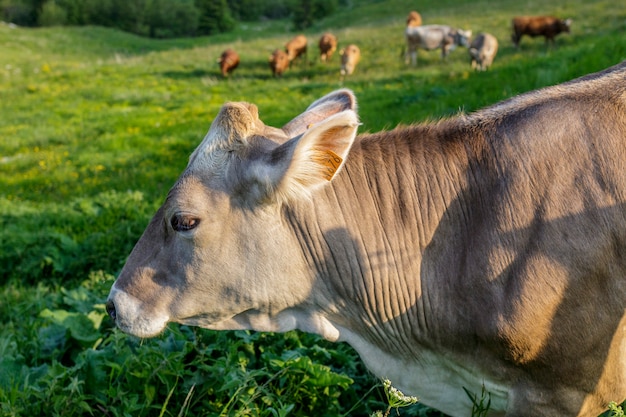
(96, 125)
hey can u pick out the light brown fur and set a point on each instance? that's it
(279, 62)
(296, 47)
(328, 46)
(414, 19)
(229, 61)
(350, 57)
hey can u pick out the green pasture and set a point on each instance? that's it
(96, 125)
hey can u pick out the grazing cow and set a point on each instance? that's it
(482, 51)
(278, 62)
(546, 26)
(350, 57)
(328, 46)
(431, 37)
(485, 251)
(296, 47)
(229, 60)
(414, 19)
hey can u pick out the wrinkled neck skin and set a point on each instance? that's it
(372, 245)
(365, 233)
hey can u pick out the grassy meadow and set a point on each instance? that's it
(96, 125)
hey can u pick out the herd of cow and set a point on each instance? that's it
(482, 49)
(280, 60)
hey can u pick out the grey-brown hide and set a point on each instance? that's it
(242, 170)
(483, 251)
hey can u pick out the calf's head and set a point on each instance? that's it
(217, 253)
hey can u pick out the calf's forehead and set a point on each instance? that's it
(188, 192)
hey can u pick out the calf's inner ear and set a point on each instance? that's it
(294, 169)
(321, 109)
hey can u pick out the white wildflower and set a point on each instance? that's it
(396, 398)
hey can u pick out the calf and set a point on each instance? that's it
(414, 19)
(350, 57)
(328, 46)
(296, 47)
(228, 61)
(546, 26)
(279, 62)
(482, 252)
(431, 37)
(482, 51)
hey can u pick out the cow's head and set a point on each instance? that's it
(565, 25)
(217, 253)
(462, 37)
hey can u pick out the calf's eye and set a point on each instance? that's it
(183, 222)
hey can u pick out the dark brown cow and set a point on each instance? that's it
(296, 47)
(229, 61)
(328, 46)
(482, 252)
(546, 26)
(279, 62)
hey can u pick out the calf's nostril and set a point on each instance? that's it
(110, 307)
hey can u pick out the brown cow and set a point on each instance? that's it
(278, 62)
(296, 47)
(229, 60)
(482, 252)
(413, 19)
(546, 26)
(350, 57)
(482, 51)
(328, 46)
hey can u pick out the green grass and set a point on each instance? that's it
(96, 125)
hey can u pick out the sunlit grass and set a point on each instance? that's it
(96, 125)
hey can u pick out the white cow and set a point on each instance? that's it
(431, 37)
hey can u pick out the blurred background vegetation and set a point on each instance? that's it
(164, 18)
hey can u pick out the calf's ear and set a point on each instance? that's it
(321, 109)
(298, 166)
